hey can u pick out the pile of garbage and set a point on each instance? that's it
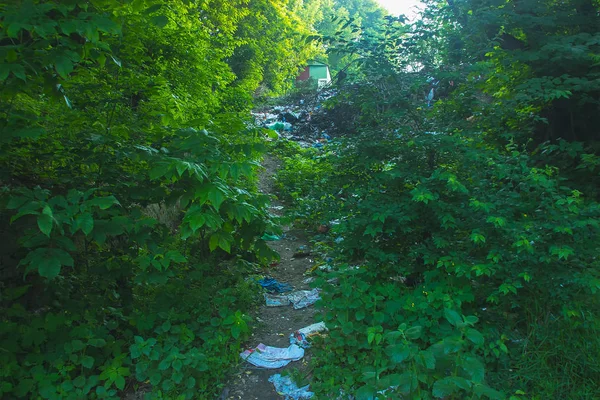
(292, 122)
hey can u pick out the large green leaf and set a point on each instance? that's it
(64, 66)
(103, 202)
(398, 352)
(47, 261)
(85, 222)
(474, 368)
(453, 317)
(366, 392)
(45, 221)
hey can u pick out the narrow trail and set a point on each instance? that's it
(275, 323)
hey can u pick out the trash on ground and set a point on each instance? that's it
(272, 357)
(299, 339)
(277, 126)
(272, 300)
(301, 336)
(270, 238)
(285, 386)
(291, 117)
(304, 298)
(313, 329)
(300, 299)
(272, 285)
(280, 126)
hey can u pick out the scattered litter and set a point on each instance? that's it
(303, 298)
(286, 387)
(313, 329)
(300, 299)
(308, 280)
(301, 336)
(272, 357)
(276, 300)
(270, 238)
(299, 339)
(339, 240)
(277, 126)
(272, 285)
(280, 126)
(291, 117)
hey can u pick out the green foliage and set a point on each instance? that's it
(129, 203)
(482, 205)
(444, 212)
(388, 340)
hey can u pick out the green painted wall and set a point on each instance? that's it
(319, 72)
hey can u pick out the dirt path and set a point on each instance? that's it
(275, 323)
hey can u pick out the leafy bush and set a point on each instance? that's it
(131, 215)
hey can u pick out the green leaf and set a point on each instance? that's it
(366, 392)
(167, 385)
(153, 8)
(444, 387)
(213, 242)
(29, 133)
(475, 336)
(64, 66)
(134, 351)
(474, 368)
(453, 317)
(177, 364)
(414, 332)
(398, 352)
(77, 345)
(160, 20)
(360, 315)
(216, 197)
(79, 381)
(155, 378)
(85, 222)
(235, 331)
(224, 244)
(4, 71)
(483, 390)
(18, 71)
(120, 382)
(45, 222)
(87, 361)
(161, 169)
(48, 261)
(103, 202)
(190, 382)
(175, 256)
(426, 359)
